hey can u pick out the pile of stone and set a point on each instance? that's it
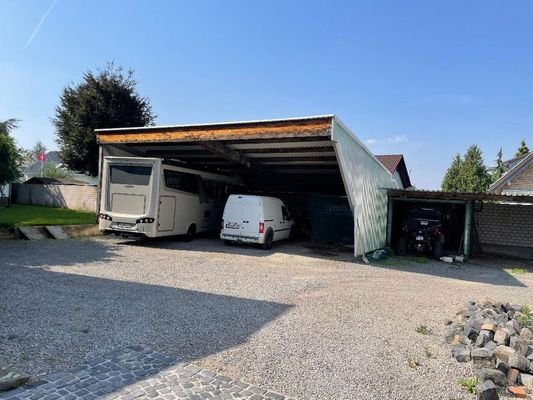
(495, 338)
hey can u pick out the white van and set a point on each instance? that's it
(153, 198)
(256, 219)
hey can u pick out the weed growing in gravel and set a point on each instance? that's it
(413, 362)
(469, 384)
(526, 319)
(428, 353)
(422, 329)
(516, 271)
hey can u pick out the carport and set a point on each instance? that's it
(476, 221)
(299, 159)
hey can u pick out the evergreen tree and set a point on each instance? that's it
(450, 182)
(473, 176)
(10, 158)
(522, 149)
(500, 168)
(106, 99)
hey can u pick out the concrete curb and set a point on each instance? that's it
(72, 231)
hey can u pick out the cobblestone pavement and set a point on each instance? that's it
(139, 373)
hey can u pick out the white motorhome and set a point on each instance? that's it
(152, 198)
(256, 219)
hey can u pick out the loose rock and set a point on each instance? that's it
(519, 345)
(526, 379)
(518, 361)
(11, 378)
(526, 334)
(487, 391)
(461, 353)
(502, 336)
(512, 375)
(518, 392)
(503, 353)
(482, 358)
(496, 376)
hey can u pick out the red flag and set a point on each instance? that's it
(41, 156)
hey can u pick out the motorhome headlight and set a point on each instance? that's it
(145, 220)
(105, 216)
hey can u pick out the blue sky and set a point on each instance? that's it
(422, 78)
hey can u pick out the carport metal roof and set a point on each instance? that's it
(457, 196)
(285, 146)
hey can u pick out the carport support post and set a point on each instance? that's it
(389, 221)
(468, 229)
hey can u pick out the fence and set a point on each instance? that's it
(76, 197)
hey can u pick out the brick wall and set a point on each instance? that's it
(506, 224)
(63, 196)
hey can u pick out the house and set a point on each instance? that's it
(54, 157)
(37, 180)
(518, 180)
(395, 163)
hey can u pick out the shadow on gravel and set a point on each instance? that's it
(212, 244)
(473, 271)
(50, 252)
(51, 321)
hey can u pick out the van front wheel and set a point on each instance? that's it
(269, 238)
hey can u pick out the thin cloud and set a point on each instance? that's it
(38, 26)
(388, 140)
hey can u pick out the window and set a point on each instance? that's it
(130, 174)
(181, 181)
(285, 213)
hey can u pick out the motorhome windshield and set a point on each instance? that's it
(130, 174)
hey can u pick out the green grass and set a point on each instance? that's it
(422, 329)
(469, 384)
(397, 261)
(23, 215)
(516, 271)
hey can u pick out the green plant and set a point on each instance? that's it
(469, 384)
(516, 271)
(526, 319)
(422, 329)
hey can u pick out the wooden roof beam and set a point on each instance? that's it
(228, 154)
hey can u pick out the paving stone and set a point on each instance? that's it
(138, 372)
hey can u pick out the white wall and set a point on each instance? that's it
(365, 181)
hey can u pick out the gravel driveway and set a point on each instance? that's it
(290, 319)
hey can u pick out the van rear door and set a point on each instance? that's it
(241, 216)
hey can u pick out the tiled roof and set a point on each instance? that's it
(390, 161)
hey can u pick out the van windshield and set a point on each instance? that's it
(130, 174)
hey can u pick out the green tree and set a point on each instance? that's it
(105, 99)
(10, 159)
(38, 148)
(53, 170)
(450, 182)
(522, 149)
(8, 125)
(500, 167)
(473, 176)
